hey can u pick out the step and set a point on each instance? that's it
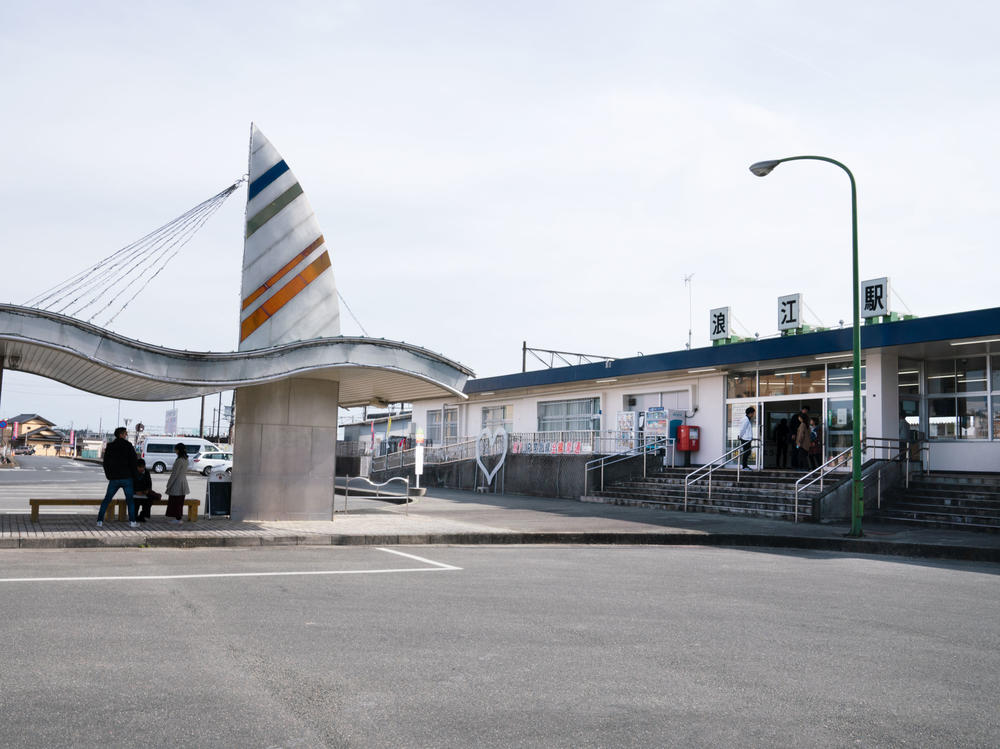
(938, 521)
(784, 514)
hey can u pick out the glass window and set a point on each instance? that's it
(996, 418)
(450, 426)
(972, 421)
(742, 385)
(971, 374)
(909, 377)
(433, 428)
(583, 414)
(840, 377)
(792, 381)
(498, 416)
(995, 368)
(941, 418)
(941, 376)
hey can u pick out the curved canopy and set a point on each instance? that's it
(98, 361)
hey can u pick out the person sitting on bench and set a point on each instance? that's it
(144, 494)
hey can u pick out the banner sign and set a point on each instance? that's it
(170, 421)
(549, 447)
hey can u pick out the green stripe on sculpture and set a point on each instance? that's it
(271, 209)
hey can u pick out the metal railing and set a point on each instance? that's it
(378, 491)
(888, 449)
(432, 456)
(706, 470)
(649, 444)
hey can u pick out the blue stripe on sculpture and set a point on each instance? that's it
(266, 178)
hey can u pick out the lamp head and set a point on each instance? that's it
(763, 168)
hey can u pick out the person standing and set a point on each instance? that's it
(803, 443)
(177, 484)
(119, 469)
(746, 437)
(816, 443)
(781, 443)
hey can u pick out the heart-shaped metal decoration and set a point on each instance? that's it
(491, 443)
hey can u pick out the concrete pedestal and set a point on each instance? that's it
(284, 456)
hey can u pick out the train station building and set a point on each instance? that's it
(940, 374)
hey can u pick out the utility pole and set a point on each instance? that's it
(687, 282)
(201, 422)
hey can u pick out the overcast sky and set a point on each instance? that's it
(487, 173)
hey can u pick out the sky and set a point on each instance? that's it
(492, 173)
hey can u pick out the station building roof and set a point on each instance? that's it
(916, 338)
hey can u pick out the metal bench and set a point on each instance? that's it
(119, 506)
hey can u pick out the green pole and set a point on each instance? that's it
(762, 169)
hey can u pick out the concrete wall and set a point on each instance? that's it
(285, 450)
(560, 476)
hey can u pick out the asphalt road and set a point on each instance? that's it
(546, 647)
(37, 468)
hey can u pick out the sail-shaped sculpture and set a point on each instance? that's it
(288, 291)
(293, 369)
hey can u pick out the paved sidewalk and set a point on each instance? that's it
(457, 517)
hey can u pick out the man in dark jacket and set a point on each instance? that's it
(119, 469)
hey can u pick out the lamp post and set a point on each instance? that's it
(762, 169)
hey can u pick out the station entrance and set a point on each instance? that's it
(778, 445)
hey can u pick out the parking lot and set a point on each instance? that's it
(513, 646)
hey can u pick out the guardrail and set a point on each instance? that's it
(649, 444)
(722, 461)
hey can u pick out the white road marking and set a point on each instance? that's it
(438, 567)
(419, 559)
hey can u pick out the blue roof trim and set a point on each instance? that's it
(920, 330)
(265, 179)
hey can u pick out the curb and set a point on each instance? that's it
(839, 545)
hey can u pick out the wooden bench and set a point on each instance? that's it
(117, 505)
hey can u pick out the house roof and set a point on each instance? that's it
(22, 418)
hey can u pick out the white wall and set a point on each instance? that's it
(881, 394)
(965, 456)
(707, 393)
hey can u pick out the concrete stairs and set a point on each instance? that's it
(965, 501)
(768, 493)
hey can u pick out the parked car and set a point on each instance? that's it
(205, 463)
(24, 450)
(158, 452)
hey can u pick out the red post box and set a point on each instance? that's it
(688, 437)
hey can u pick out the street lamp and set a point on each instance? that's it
(762, 169)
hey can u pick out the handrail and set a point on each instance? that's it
(649, 444)
(347, 491)
(837, 460)
(708, 469)
(890, 444)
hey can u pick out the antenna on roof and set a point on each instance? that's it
(687, 282)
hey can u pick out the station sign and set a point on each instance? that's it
(790, 312)
(719, 320)
(875, 297)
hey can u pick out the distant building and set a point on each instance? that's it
(39, 433)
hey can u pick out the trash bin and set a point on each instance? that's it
(219, 493)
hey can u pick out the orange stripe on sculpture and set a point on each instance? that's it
(284, 295)
(280, 274)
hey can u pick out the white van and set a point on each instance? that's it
(158, 452)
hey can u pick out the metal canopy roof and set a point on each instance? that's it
(99, 361)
